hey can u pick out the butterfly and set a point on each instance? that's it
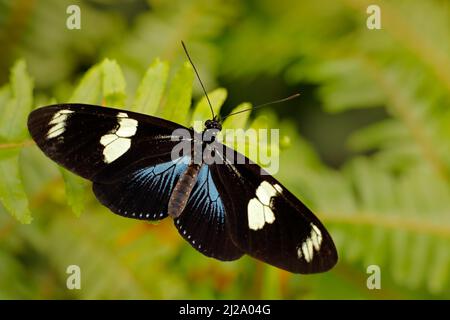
(224, 208)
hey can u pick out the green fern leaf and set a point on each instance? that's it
(89, 88)
(16, 100)
(179, 96)
(151, 88)
(15, 110)
(12, 192)
(113, 83)
(238, 121)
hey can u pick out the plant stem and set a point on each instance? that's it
(394, 222)
(11, 145)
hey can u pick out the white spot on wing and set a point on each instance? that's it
(299, 252)
(264, 192)
(315, 242)
(108, 138)
(116, 149)
(255, 210)
(117, 141)
(312, 243)
(56, 130)
(127, 127)
(268, 215)
(258, 208)
(305, 251)
(318, 235)
(309, 246)
(58, 123)
(278, 188)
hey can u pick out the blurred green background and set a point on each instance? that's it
(366, 146)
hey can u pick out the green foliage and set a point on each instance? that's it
(12, 194)
(89, 89)
(151, 89)
(16, 101)
(113, 83)
(17, 106)
(387, 204)
(179, 96)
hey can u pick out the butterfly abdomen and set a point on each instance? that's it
(182, 190)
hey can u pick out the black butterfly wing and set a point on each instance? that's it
(268, 222)
(127, 155)
(144, 192)
(99, 142)
(203, 222)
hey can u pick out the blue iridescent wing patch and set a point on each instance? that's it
(144, 193)
(203, 222)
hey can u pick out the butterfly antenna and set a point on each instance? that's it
(198, 77)
(264, 104)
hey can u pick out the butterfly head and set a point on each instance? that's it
(213, 124)
(212, 129)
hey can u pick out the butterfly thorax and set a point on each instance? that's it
(186, 182)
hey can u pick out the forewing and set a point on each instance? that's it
(99, 142)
